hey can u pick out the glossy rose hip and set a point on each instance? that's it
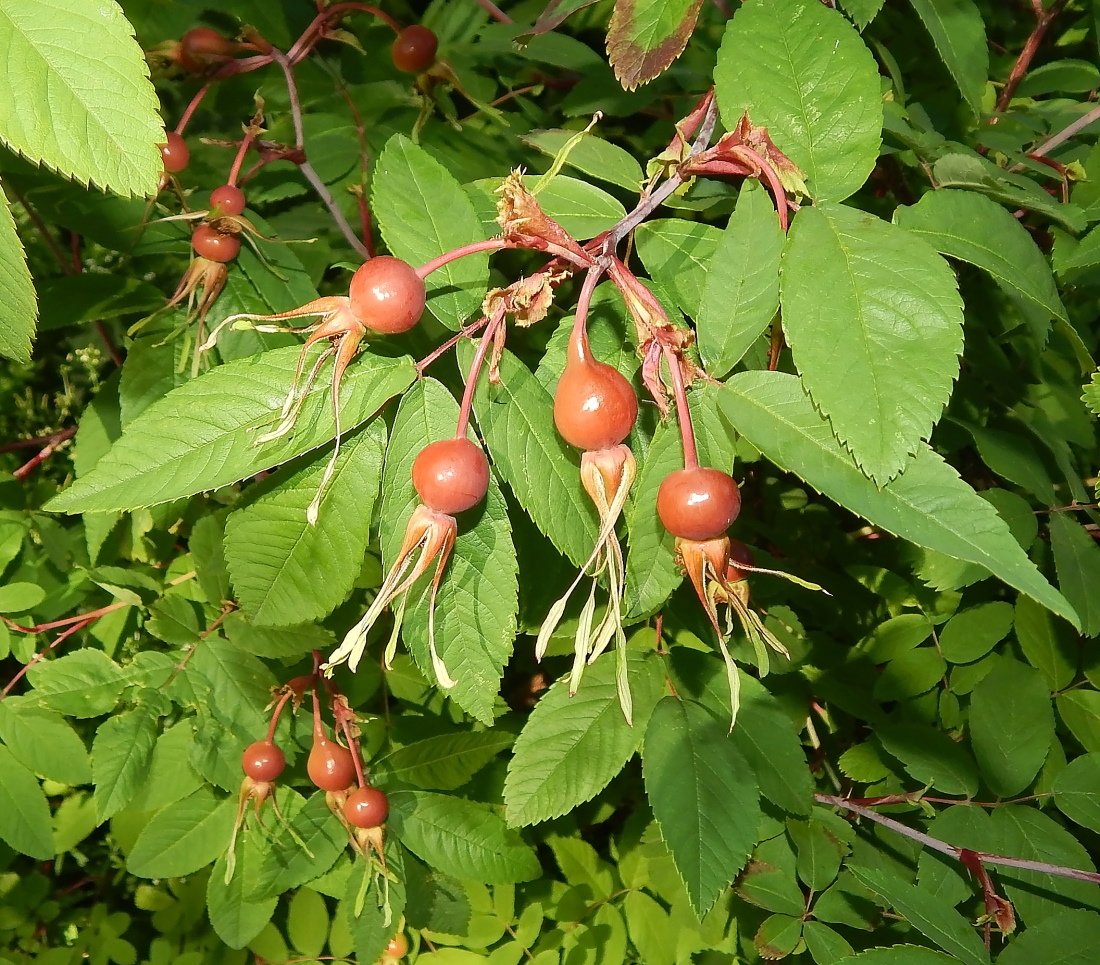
(699, 503)
(594, 405)
(330, 766)
(387, 295)
(366, 807)
(414, 49)
(263, 761)
(174, 153)
(214, 245)
(451, 475)
(227, 200)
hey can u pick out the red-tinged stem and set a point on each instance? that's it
(61, 637)
(43, 627)
(776, 186)
(275, 715)
(584, 300)
(935, 844)
(475, 370)
(185, 117)
(246, 143)
(493, 244)
(356, 752)
(364, 163)
(39, 440)
(1044, 18)
(683, 413)
(466, 332)
(775, 347)
(312, 34)
(35, 461)
(494, 11)
(1066, 133)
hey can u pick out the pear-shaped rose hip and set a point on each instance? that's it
(594, 406)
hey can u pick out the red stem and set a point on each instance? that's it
(185, 118)
(683, 413)
(494, 11)
(40, 440)
(275, 715)
(42, 627)
(493, 244)
(450, 343)
(584, 300)
(246, 143)
(475, 370)
(42, 653)
(1044, 18)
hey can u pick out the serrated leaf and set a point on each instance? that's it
(82, 684)
(571, 747)
(182, 838)
(958, 32)
(1077, 791)
(932, 915)
(69, 67)
(286, 572)
(121, 753)
(446, 761)
(931, 757)
(975, 229)
(582, 209)
(703, 795)
(1077, 558)
(240, 683)
(741, 294)
(1069, 938)
(423, 212)
(862, 12)
(1049, 645)
(20, 311)
(591, 154)
(1091, 395)
(467, 839)
(802, 71)
(477, 600)
(927, 503)
(880, 354)
(677, 254)
(202, 435)
(378, 920)
(44, 741)
(646, 36)
(75, 299)
(516, 420)
(899, 955)
(971, 633)
(825, 945)
(1011, 725)
(286, 864)
(24, 810)
(235, 919)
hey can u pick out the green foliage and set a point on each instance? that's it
(898, 373)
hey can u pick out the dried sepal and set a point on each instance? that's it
(525, 224)
(429, 539)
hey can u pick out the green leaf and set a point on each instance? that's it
(677, 254)
(20, 597)
(862, 12)
(82, 684)
(287, 572)
(44, 741)
(931, 757)
(446, 761)
(286, 864)
(880, 353)
(777, 936)
(467, 839)
(235, 919)
(1080, 709)
(70, 67)
(975, 229)
(1049, 645)
(802, 71)
(376, 923)
(571, 747)
(275, 642)
(646, 36)
(424, 212)
(1077, 791)
(516, 420)
(819, 851)
(184, 837)
(1091, 396)
(477, 600)
(592, 155)
(74, 299)
(927, 504)
(1077, 558)
(24, 810)
(899, 955)
(240, 683)
(933, 916)
(741, 295)
(770, 881)
(1011, 725)
(1069, 938)
(18, 316)
(307, 922)
(958, 32)
(764, 733)
(582, 209)
(703, 796)
(1027, 832)
(970, 634)
(825, 945)
(121, 753)
(202, 435)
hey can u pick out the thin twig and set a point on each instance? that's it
(39, 440)
(1043, 20)
(494, 11)
(935, 844)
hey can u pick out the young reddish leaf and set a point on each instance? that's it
(646, 36)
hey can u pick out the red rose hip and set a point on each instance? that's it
(330, 765)
(387, 295)
(263, 761)
(451, 475)
(414, 49)
(366, 807)
(214, 245)
(594, 405)
(227, 200)
(175, 153)
(202, 48)
(698, 504)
